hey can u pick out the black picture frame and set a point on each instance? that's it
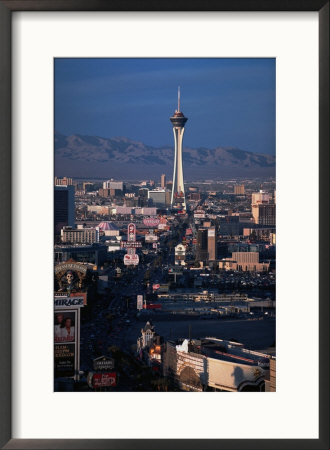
(6, 9)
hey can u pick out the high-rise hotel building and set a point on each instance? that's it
(263, 208)
(64, 207)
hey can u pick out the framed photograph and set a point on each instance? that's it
(165, 225)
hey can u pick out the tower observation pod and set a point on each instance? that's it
(178, 199)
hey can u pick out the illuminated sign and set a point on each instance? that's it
(103, 363)
(104, 379)
(131, 232)
(151, 222)
(131, 260)
(130, 244)
(68, 302)
(70, 266)
(139, 302)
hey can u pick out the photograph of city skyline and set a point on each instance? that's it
(164, 224)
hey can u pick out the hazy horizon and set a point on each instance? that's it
(229, 102)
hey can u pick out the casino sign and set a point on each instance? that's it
(71, 276)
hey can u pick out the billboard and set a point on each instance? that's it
(151, 237)
(103, 363)
(73, 266)
(70, 277)
(64, 360)
(131, 260)
(151, 222)
(199, 214)
(104, 379)
(163, 288)
(153, 306)
(130, 244)
(131, 232)
(74, 300)
(139, 302)
(66, 341)
(64, 326)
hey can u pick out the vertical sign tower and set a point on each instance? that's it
(178, 120)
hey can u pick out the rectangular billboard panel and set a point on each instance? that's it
(104, 379)
(74, 300)
(64, 326)
(151, 221)
(131, 232)
(65, 343)
(131, 260)
(151, 238)
(103, 363)
(64, 360)
(130, 244)
(139, 302)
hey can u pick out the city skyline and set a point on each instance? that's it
(231, 102)
(148, 261)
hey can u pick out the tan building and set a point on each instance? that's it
(239, 189)
(116, 185)
(100, 210)
(195, 196)
(264, 214)
(212, 243)
(163, 181)
(167, 197)
(65, 181)
(216, 365)
(246, 257)
(104, 192)
(260, 197)
(270, 381)
(262, 211)
(244, 262)
(261, 234)
(79, 235)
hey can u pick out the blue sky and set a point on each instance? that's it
(228, 102)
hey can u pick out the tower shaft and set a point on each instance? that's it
(178, 183)
(178, 195)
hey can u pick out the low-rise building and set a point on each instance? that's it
(150, 345)
(216, 365)
(95, 254)
(80, 235)
(244, 262)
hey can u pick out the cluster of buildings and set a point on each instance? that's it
(207, 364)
(217, 240)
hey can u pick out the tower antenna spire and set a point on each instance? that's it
(178, 98)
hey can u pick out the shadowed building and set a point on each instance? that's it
(64, 207)
(212, 364)
(212, 243)
(163, 181)
(202, 245)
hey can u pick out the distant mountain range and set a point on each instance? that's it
(122, 158)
